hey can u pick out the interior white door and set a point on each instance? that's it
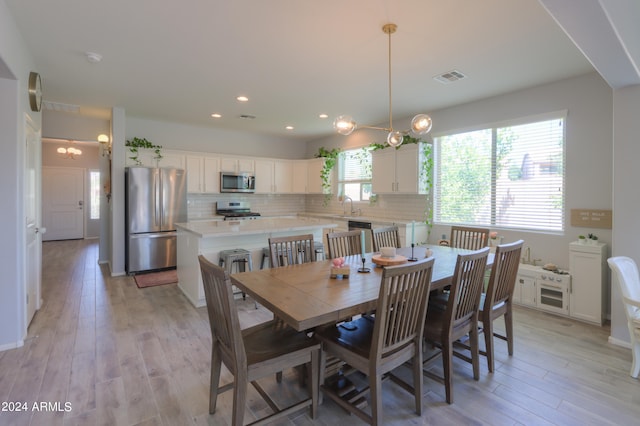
(33, 240)
(63, 203)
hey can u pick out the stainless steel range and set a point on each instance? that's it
(235, 210)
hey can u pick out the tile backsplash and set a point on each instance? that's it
(408, 207)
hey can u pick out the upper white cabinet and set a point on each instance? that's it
(237, 165)
(587, 263)
(148, 158)
(299, 176)
(264, 176)
(396, 170)
(273, 176)
(283, 177)
(314, 181)
(172, 159)
(203, 174)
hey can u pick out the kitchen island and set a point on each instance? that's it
(209, 238)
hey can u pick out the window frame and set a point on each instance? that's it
(363, 182)
(492, 203)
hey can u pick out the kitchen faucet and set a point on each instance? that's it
(344, 207)
(528, 260)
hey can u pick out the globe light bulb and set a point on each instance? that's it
(421, 124)
(344, 124)
(395, 138)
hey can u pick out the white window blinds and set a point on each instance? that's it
(505, 176)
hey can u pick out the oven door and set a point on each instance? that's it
(553, 296)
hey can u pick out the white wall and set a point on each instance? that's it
(626, 195)
(588, 101)
(68, 125)
(205, 139)
(15, 65)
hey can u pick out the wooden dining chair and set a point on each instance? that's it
(342, 244)
(291, 250)
(497, 300)
(252, 353)
(459, 318)
(469, 238)
(377, 346)
(385, 237)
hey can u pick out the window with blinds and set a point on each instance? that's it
(508, 177)
(354, 177)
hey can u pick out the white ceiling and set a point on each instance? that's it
(294, 59)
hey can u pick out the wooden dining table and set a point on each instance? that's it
(305, 296)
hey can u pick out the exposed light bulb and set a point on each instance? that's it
(395, 138)
(61, 150)
(344, 124)
(421, 124)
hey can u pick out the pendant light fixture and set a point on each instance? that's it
(420, 125)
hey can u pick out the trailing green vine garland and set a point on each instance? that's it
(136, 143)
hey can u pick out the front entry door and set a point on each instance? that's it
(33, 242)
(63, 203)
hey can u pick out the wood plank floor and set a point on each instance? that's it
(101, 351)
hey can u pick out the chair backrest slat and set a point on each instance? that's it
(223, 315)
(342, 244)
(385, 237)
(469, 238)
(466, 288)
(291, 250)
(402, 307)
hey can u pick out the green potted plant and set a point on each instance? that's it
(582, 239)
(136, 143)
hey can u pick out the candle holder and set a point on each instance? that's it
(363, 269)
(412, 258)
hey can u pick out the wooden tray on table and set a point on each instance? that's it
(380, 260)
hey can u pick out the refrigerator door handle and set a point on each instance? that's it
(154, 235)
(156, 201)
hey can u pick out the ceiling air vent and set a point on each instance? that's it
(247, 116)
(449, 77)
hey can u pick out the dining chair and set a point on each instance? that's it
(385, 237)
(252, 353)
(377, 346)
(459, 318)
(498, 298)
(625, 271)
(291, 250)
(469, 238)
(342, 244)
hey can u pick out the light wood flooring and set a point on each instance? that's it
(120, 355)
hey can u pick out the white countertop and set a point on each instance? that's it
(226, 228)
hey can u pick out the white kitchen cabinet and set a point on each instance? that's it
(237, 165)
(314, 181)
(172, 159)
(299, 177)
(525, 292)
(587, 263)
(203, 174)
(283, 177)
(264, 176)
(148, 158)
(397, 171)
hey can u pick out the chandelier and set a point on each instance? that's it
(420, 124)
(69, 153)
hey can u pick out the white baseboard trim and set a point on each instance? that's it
(619, 342)
(13, 345)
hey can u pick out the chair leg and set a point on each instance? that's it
(635, 353)
(475, 351)
(487, 330)
(216, 364)
(321, 373)
(315, 382)
(447, 364)
(375, 385)
(239, 399)
(418, 382)
(508, 324)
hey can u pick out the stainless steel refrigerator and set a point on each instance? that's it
(156, 199)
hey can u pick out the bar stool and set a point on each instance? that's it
(239, 257)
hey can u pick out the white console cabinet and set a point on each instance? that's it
(587, 263)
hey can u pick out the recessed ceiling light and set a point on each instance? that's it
(323, 116)
(242, 99)
(216, 115)
(93, 57)
(289, 127)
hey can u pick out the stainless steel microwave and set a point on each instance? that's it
(237, 182)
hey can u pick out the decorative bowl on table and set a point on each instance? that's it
(381, 260)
